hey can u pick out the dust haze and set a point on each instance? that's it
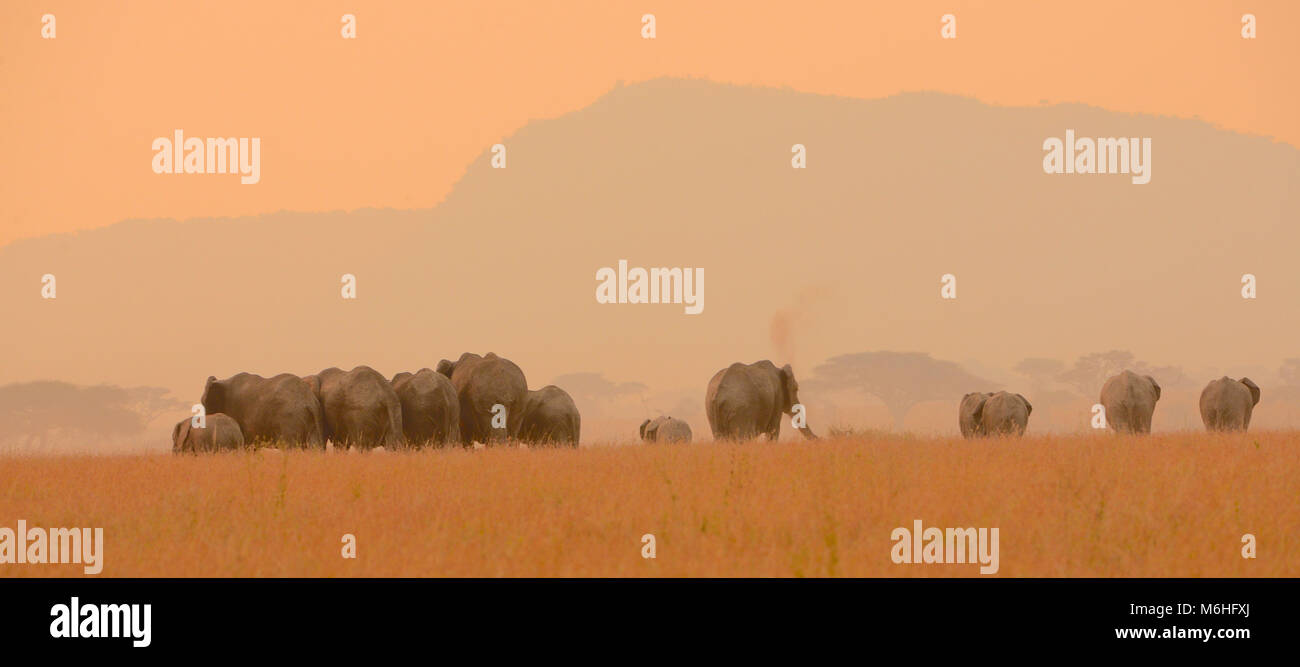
(834, 268)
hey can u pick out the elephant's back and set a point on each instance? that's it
(1126, 390)
(287, 389)
(1226, 399)
(738, 378)
(674, 430)
(226, 433)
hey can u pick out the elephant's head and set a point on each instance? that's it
(790, 397)
(789, 389)
(1254, 390)
(1154, 385)
(448, 367)
(214, 396)
(400, 376)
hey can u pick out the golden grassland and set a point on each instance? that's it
(1090, 505)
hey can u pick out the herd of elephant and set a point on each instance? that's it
(486, 399)
(477, 398)
(1128, 401)
(474, 399)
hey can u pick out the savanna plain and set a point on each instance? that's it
(1171, 504)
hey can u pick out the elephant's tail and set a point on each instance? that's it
(314, 430)
(395, 437)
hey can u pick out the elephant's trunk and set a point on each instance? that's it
(808, 433)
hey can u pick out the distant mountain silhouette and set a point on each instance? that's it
(687, 173)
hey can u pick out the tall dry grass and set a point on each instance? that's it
(1093, 505)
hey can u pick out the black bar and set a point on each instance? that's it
(937, 617)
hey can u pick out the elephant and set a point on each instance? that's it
(482, 382)
(1129, 400)
(361, 408)
(550, 417)
(970, 417)
(281, 408)
(1226, 404)
(665, 429)
(1002, 413)
(430, 409)
(745, 401)
(218, 433)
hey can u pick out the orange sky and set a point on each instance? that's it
(392, 118)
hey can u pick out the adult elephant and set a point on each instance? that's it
(482, 383)
(970, 414)
(360, 408)
(550, 417)
(1129, 400)
(1226, 404)
(745, 401)
(1002, 413)
(282, 408)
(219, 432)
(665, 429)
(430, 409)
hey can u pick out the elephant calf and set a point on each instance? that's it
(1130, 401)
(665, 429)
(1002, 413)
(1226, 404)
(550, 417)
(220, 432)
(430, 408)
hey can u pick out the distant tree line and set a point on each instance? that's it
(31, 413)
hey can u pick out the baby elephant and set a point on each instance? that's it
(1002, 413)
(220, 433)
(665, 429)
(550, 417)
(1226, 404)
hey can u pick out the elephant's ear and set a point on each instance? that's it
(313, 383)
(446, 367)
(1029, 409)
(214, 395)
(1254, 390)
(642, 429)
(789, 385)
(1155, 385)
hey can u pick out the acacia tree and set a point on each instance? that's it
(899, 379)
(31, 411)
(1091, 371)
